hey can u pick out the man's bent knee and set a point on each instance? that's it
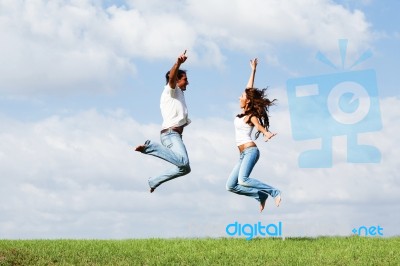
(185, 169)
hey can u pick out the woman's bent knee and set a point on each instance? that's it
(230, 188)
(243, 181)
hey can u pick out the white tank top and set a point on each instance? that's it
(242, 131)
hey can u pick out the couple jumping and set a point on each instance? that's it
(254, 104)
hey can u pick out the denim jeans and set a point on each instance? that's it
(172, 150)
(239, 181)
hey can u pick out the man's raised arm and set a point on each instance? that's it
(173, 73)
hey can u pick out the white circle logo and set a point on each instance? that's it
(358, 93)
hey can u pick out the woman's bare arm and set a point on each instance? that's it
(253, 65)
(259, 127)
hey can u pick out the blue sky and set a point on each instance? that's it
(80, 83)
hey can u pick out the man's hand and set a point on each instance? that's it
(174, 70)
(182, 58)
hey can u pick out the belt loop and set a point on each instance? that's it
(172, 129)
(166, 130)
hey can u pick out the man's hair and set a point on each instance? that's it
(179, 76)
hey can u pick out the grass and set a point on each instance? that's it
(208, 251)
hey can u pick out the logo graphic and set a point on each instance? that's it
(368, 231)
(338, 104)
(252, 230)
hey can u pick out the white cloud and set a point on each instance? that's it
(52, 46)
(256, 24)
(78, 45)
(77, 176)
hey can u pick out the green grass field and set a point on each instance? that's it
(208, 251)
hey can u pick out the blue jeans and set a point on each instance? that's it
(239, 181)
(172, 150)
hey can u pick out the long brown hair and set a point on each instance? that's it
(258, 106)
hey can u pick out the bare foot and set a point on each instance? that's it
(278, 200)
(152, 190)
(140, 148)
(262, 205)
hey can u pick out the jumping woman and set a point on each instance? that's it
(254, 104)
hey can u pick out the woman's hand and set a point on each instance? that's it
(253, 63)
(268, 136)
